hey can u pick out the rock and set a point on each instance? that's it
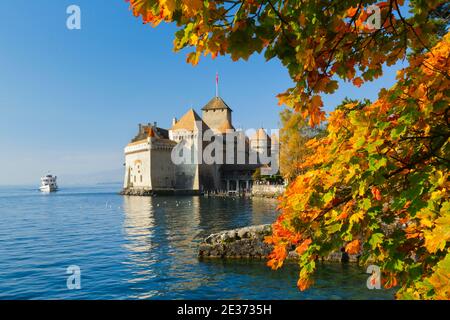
(136, 192)
(248, 243)
(238, 243)
(242, 233)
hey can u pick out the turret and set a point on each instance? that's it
(216, 112)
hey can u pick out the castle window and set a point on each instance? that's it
(141, 178)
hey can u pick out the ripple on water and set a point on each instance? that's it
(143, 248)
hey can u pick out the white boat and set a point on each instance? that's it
(48, 184)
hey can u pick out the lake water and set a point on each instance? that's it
(143, 248)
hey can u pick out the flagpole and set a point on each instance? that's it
(217, 84)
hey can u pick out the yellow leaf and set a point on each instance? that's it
(168, 7)
(437, 238)
(357, 217)
(191, 7)
(310, 62)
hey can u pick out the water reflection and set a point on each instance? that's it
(141, 248)
(162, 236)
(161, 239)
(261, 208)
(218, 214)
(138, 223)
(139, 231)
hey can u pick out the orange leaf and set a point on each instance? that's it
(353, 247)
(304, 246)
(352, 11)
(376, 193)
(303, 284)
(358, 82)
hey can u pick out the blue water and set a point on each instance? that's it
(143, 248)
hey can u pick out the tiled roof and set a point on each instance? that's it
(137, 142)
(226, 125)
(188, 121)
(215, 104)
(146, 131)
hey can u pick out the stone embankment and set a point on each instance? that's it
(136, 192)
(141, 192)
(267, 191)
(249, 242)
(258, 190)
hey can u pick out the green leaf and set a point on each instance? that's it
(376, 239)
(360, 142)
(398, 131)
(366, 204)
(334, 228)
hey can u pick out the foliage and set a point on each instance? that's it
(294, 134)
(315, 40)
(273, 179)
(256, 176)
(379, 180)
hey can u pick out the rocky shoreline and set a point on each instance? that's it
(267, 191)
(249, 243)
(136, 192)
(258, 191)
(140, 192)
(237, 243)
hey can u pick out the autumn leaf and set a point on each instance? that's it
(353, 247)
(303, 284)
(358, 82)
(437, 238)
(376, 193)
(303, 246)
(316, 115)
(309, 60)
(168, 7)
(396, 146)
(191, 7)
(440, 279)
(352, 11)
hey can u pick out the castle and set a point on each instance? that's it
(149, 157)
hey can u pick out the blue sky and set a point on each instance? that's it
(71, 100)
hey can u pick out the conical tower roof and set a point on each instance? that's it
(188, 121)
(260, 134)
(215, 104)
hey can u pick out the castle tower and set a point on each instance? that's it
(260, 142)
(217, 114)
